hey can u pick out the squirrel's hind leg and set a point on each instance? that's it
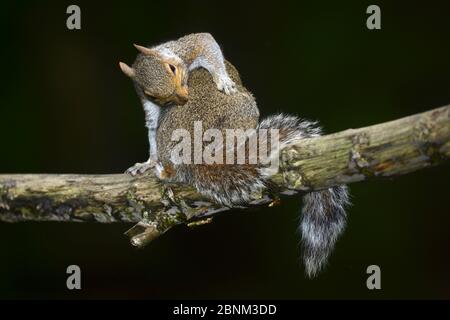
(218, 71)
(225, 84)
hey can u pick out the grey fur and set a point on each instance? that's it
(323, 218)
(323, 214)
(323, 221)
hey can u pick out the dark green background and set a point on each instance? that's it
(66, 108)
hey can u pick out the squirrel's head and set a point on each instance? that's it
(161, 76)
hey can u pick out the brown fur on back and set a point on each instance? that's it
(226, 184)
(215, 109)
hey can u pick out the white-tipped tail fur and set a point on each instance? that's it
(323, 214)
(323, 221)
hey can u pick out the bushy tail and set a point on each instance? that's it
(323, 221)
(323, 218)
(323, 215)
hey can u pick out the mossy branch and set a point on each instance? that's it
(383, 150)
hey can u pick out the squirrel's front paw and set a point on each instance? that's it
(226, 85)
(140, 167)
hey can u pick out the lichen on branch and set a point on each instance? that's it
(384, 150)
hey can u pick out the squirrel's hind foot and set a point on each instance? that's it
(226, 85)
(141, 167)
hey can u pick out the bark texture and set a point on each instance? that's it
(384, 150)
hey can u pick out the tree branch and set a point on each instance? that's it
(383, 150)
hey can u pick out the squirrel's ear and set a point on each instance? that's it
(144, 50)
(129, 71)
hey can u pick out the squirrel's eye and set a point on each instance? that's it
(173, 68)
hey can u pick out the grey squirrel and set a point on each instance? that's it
(323, 214)
(170, 63)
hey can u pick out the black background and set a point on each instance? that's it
(66, 108)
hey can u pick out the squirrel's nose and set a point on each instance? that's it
(183, 92)
(182, 99)
(182, 95)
